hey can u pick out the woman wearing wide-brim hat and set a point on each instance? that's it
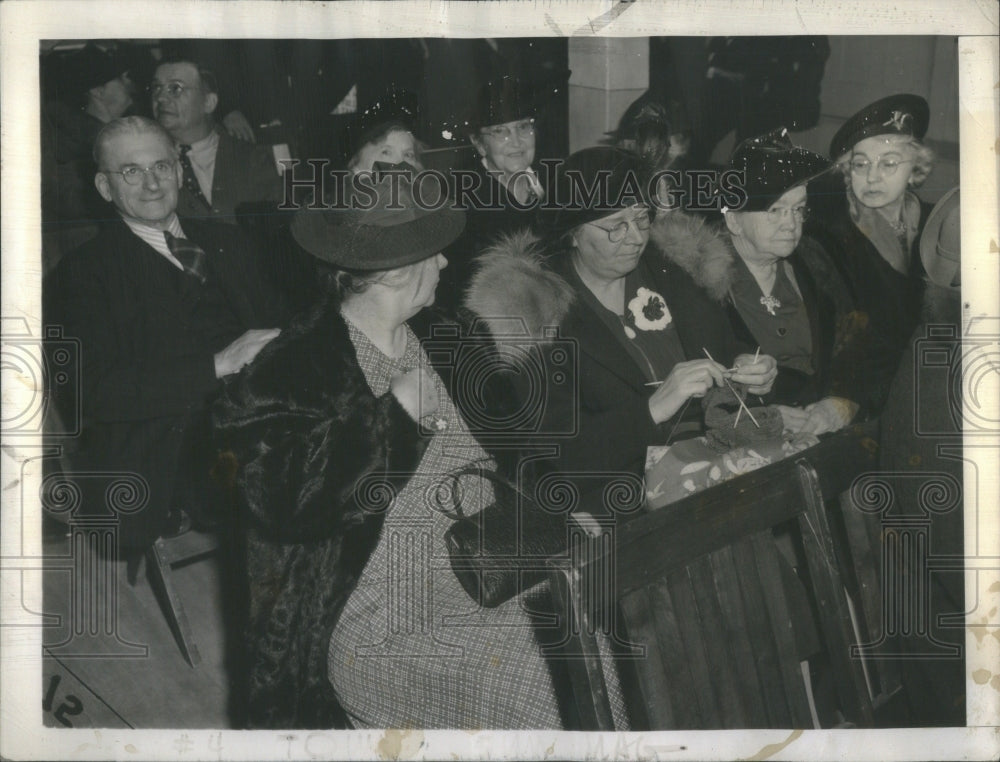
(870, 224)
(343, 432)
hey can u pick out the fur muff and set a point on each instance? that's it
(697, 248)
(512, 283)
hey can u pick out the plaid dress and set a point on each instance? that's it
(411, 649)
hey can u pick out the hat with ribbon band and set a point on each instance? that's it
(378, 225)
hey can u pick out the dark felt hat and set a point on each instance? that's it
(645, 114)
(86, 69)
(591, 184)
(395, 105)
(505, 99)
(941, 241)
(771, 166)
(378, 225)
(902, 114)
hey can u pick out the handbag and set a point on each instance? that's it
(502, 550)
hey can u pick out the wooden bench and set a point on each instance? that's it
(695, 604)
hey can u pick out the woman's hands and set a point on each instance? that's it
(686, 380)
(758, 375)
(416, 392)
(829, 414)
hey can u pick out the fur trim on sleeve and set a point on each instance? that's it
(512, 286)
(698, 249)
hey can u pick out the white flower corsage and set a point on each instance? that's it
(647, 312)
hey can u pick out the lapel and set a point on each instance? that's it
(818, 318)
(678, 290)
(224, 266)
(597, 342)
(222, 176)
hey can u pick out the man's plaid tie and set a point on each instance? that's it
(190, 181)
(189, 254)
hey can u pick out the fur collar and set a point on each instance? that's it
(512, 279)
(512, 283)
(697, 248)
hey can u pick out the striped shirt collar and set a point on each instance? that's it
(154, 236)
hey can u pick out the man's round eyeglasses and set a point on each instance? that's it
(133, 175)
(618, 232)
(173, 89)
(799, 213)
(888, 167)
(525, 128)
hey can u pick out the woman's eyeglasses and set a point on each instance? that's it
(133, 175)
(798, 213)
(618, 232)
(524, 129)
(887, 167)
(173, 89)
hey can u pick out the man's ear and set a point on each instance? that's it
(477, 143)
(211, 102)
(733, 222)
(102, 185)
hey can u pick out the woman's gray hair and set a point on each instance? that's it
(342, 283)
(923, 162)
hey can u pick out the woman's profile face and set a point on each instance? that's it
(507, 147)
(418, 282)
(395, 147)
(880, 169)
(609, 248)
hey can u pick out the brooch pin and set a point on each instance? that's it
(435, 423)
(897, 120)
(771, 303)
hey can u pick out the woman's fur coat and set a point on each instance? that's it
(319, 459)
(600, 419)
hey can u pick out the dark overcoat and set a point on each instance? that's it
(147, 361)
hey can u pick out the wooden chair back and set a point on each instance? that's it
(692, 599)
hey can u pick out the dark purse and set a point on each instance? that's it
(502, 550)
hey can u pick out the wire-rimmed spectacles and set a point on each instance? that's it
(617, 233)
(173, 89)
(134, 174)
(887, 167)
(798, 213)
(525, 128)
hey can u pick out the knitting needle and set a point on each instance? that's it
(740, 411)
(738, 398)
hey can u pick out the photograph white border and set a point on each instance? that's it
(23, 24)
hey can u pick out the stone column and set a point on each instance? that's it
(608, 74)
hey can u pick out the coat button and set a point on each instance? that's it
(782, 331)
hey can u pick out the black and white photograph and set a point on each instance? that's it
(427, 380)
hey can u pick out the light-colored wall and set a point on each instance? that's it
(609, 73)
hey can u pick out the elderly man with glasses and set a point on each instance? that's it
(221, 173)
(164, 308)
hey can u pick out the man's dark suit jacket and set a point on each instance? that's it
(245, 173)
(147, 365)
